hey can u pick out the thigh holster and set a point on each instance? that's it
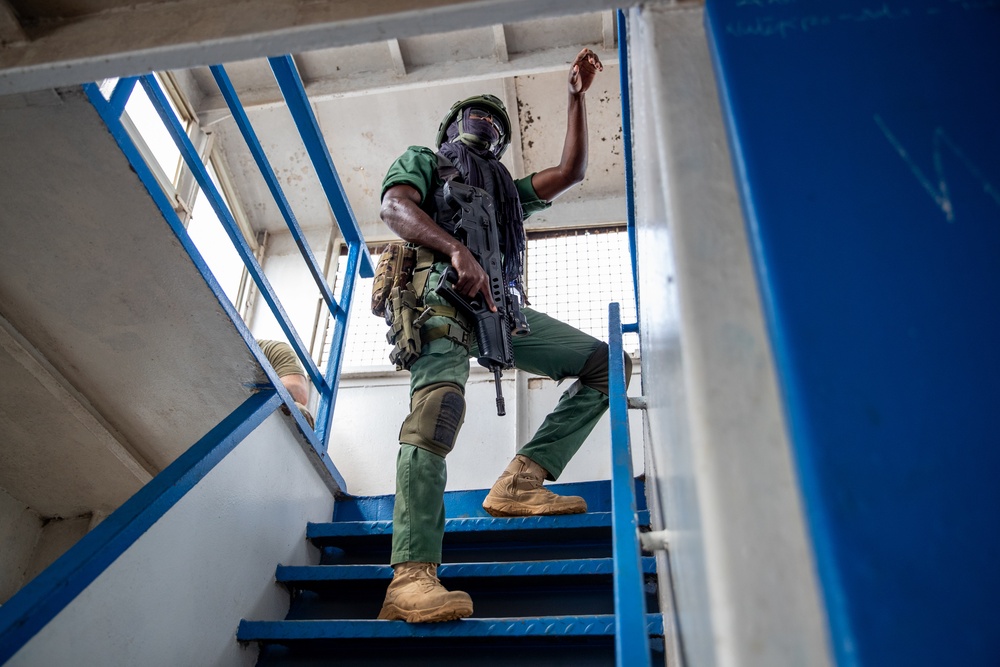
(436, 414)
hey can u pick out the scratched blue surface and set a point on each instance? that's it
(867, 150)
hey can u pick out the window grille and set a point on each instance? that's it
(571, 275)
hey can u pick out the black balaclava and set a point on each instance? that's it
(470, 148)
(477, 133)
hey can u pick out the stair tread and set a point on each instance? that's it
(475, 524)
(469, 502)
(304, 574)
(543, 626)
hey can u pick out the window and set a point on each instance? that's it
(574, 275)
(164, 158)
(571, 275)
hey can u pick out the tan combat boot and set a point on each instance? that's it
(416, 596)
(519, 492)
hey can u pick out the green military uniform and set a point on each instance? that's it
(553, 349)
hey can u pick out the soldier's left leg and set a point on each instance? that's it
(557, 350)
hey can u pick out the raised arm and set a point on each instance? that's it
(552, 182)
(402, 213)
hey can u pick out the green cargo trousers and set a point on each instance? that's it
(553, 349)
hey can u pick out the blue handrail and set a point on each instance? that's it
(50, 592)
(631, 639)
(359, 260)
(294, 93)
(200, 171)
(253, 143)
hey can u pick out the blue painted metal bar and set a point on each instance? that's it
(305, 574)
(475, 524)
(631, 642)
(51, 591)
(324, 419)
(253, 143)
(121, 93)
(298, 104)
(200, 172)
(468, 503)
(626, 92)
(113, 122)
(544, 626)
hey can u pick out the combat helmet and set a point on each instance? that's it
(490, 103)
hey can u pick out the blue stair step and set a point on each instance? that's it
(542, 626)
(477, 539)
(542, 591)
(540, 588)
(304, 576)
(469, 503)
(573, 641)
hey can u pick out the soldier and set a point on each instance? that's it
(471, 139)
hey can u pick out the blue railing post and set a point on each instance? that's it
(359, 259)
(200, 172)
(253, 143)
(623, 77)
(121, 94)
(631, 638)
(324, 418)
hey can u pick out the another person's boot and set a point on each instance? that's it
(519, 492)
(416, 596)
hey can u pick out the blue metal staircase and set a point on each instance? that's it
(542, 589)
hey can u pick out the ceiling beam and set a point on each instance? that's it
(398, 63)
(500, 43)
(510, 101)
(153, 36)
(610, 29)
(213, 107)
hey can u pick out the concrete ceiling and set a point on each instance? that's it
(373, 100)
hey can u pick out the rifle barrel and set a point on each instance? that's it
(501, 408)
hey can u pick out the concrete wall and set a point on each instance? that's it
(20, 530)
(176, 596)
(743, 566)
(371, 407)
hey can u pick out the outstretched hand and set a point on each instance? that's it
(584, 69)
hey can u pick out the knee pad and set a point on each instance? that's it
(594, 373)
(437, 412)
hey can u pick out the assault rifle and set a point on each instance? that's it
(475, 225)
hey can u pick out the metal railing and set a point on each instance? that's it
(632, 647)
(631, 637)
(358, 260)
(625, 90)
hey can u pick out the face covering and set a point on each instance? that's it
(478, 131)
(480, 123)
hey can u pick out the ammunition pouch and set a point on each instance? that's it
(394, 270)
(406, 314)
(405, 317)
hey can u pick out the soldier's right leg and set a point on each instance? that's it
(437, 409)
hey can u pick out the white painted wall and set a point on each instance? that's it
(371, 407)
(742, 562)
(177, 595)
